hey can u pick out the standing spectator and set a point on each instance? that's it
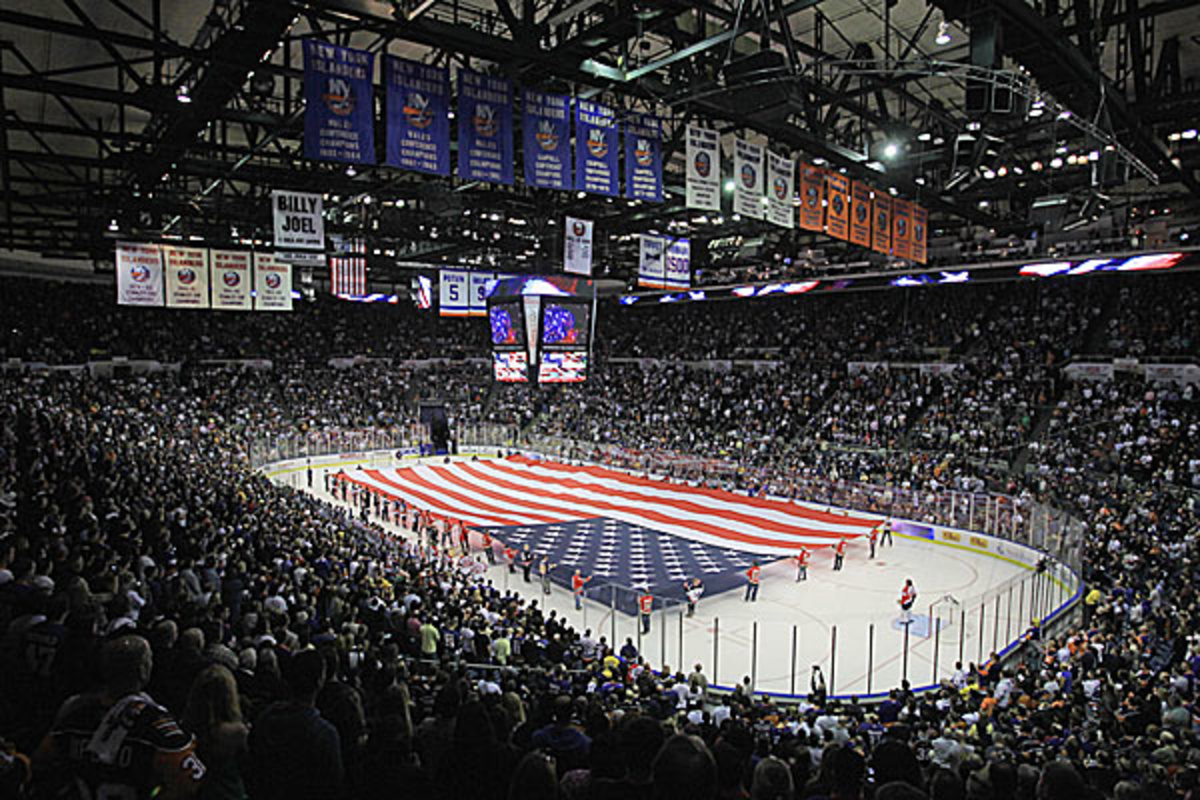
(430, 637)
(214, 715)
(294, 751)
(544, 567)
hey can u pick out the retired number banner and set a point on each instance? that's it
(652, 261)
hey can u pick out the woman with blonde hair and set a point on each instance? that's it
(214, 716)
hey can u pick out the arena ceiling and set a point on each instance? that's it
(977, 99)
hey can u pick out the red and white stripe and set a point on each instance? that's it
(348, 273)
(523, 491)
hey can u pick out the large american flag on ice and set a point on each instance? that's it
(621, 528)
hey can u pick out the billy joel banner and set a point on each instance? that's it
(679, 264)
(781, 174)
(139, 274)
(187, 276)
(901, 229)
(881, 213)
(860, 214)
(299, 220)
(837, 208)
(920, 233)
(643, 158)
(231, 280)
(652, 261)
(812, 195)
(418, 116)
(485, 134)
(272, 283)
(703, 169)
(748, 179)
(577, 248)
(546, 130)
(339, 110)
(595, 148)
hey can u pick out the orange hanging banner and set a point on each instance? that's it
(902, 229)
(812, 196)
(881, 213)
(837, 209)
(860, 215)
(920, 233)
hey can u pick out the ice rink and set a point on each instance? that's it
(846, 621)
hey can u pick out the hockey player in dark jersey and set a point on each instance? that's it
(118, 743)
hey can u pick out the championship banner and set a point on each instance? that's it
(454, 298)
(477, 291)
(418, 116)
(812, 193)
(837, 209)
(748, 179)
(139, 274)
(577, 247)
(339, 109)
(299, 220)
(881, 213)
(230, 280)
(679, 264)
(652, 261)
(703, 169)
(860, 214)
(187, 276)
(901, 229)
(920, 233)
(272, 283)
(643, 158)
(595, 148)
(546, 131)
(485, 128)
(781, 176)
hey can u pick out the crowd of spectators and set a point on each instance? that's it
(175, 624)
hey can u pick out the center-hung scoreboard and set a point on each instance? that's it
(541, 329)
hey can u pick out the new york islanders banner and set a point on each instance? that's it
(272, 283)
(485, 134)
(679, 264)
(187, 277)
(901, 229)
(231, 280)
(860, 214)
(703, 169)
(881, 213)
(781, 176)
(643, 158)
(748, 179)
(920, 233)
(837, 209)
(595, 148)
(139, 274)
(546, 134)
(812, 195)
(577, 246)
(418, 116)
(339, 108)
(652, 261)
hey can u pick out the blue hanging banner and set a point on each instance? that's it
(418, 119)
(546, 130)
(643, 158)
(485, 134)
(595, 148)
(339, 109)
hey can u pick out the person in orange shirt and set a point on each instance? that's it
(752, 575)
(801, 560)
(577, 582)
(487, 548)
(839, 554)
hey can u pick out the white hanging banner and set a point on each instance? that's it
(577, 249)
(679, 264)
(748, 179)
(139, 274)
(477, 283)
(652, 261)
(781, 178)
(454, 293)
(272, 283)
(299, 220)
(187, 276)
(230, 280)
(703, 169)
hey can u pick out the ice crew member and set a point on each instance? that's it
(801, 560)
(752, 575)
(577, 582)
(839, 554)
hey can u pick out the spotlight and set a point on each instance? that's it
(943, 34)
(729, 185)
(351, 171)
(181, 94)
(924, 136)
(1190, 133)
(989, 173)
(113, 226)
(1056, 163)
(890, 150)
